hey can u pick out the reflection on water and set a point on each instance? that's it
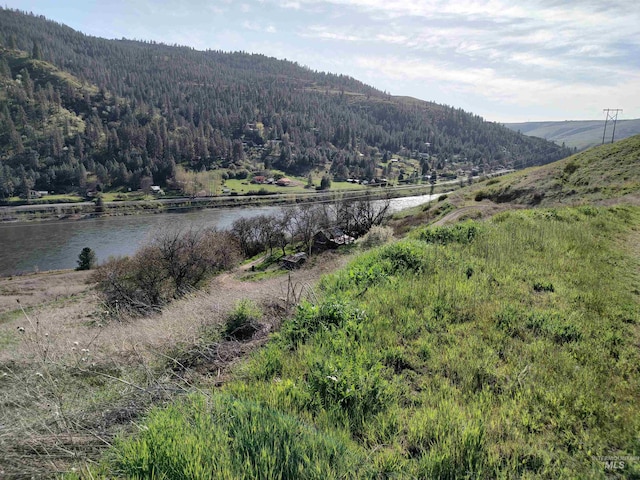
(27, 247)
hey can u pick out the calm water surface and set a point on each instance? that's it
(28, 247)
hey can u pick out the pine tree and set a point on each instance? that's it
(86, 259)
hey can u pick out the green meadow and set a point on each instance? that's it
(500, 349)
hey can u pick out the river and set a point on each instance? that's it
(39, 246)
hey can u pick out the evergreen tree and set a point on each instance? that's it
(86, 259)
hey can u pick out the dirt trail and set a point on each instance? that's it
(483, 209)
(67, 308)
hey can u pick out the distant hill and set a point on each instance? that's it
(78, 112)
(580, 134)
(600, 174)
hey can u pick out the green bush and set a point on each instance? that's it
(310, 318)
(243, 321)
(543, 287)
(349, 387)
(481, 195)
(553, 326)
(463, 233)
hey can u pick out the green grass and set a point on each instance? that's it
(119, 196)
(604, 172)
(7, 338)
(229, 438)
(57, 198)
(504, 349)
(242, 187)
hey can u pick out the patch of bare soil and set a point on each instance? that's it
(71, 378)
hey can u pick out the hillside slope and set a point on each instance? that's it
(611, 171)
(151, 107)
(484, 350)
(580, 134)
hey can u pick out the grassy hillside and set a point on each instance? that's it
(482, 350)
(598, 174)
(580, 134)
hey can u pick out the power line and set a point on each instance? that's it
(611, 114)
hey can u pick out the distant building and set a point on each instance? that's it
(156, 190)
(330, 238)
(283, 182)
(293, 261)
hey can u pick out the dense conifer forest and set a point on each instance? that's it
(79, 112)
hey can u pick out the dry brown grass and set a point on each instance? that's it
(40, 288)
(74, 377)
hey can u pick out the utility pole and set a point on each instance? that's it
(611, 114)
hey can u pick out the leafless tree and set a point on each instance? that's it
(307, 220)
(172, 265)
(356, 217)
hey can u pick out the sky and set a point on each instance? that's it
(505, 60)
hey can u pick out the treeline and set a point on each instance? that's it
(115, 112)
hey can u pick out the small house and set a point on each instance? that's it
(331, 238)
(283, 182)
(156, 190)
(296, 260)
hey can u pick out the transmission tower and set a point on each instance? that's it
(611, 114)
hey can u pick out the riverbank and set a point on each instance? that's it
(83, 210)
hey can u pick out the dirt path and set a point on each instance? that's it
(65, 307)
(485, 208)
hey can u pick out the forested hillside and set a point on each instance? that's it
(79, 111)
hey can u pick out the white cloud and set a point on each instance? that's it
(554, 95)
(319, 31)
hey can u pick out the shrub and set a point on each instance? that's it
(325, 182)
(242, 322)
(377, 236)
(543, 287)
(553, 326)
(508, 320)
(310, 318)
(172, 265)
(481, 195)
(464, 232)
(570, 168)
(349, 387)
(404, 256)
